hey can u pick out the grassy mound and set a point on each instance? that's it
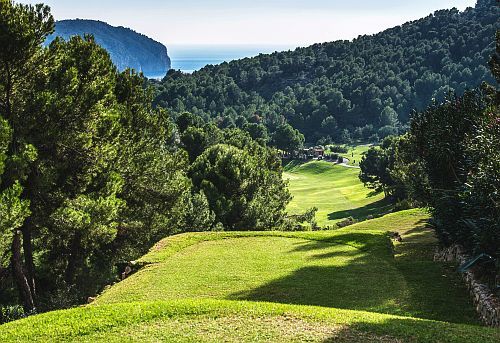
(352, 268)
(230, 321)
(346, 285)
(335, 190)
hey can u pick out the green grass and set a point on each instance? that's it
(335, 190)
(346, 285)
(229, 321)
(355, 153)
(351, 268)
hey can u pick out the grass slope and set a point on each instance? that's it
(335, 190)
(351, 268)
(229, 321)
(261, 286)
(356, 153)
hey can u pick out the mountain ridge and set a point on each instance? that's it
(127, 48)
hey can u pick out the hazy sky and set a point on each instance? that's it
(271, 22)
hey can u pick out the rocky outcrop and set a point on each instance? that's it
(127, 48)
(487, 305)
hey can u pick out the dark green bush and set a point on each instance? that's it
(11, 313)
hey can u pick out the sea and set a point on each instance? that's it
(190, 58)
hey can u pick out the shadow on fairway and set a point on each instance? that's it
(374, 209)
(409, 330)
(371, 280)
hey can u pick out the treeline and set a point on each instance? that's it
(336, 92)
(91, 175)
(449, 161)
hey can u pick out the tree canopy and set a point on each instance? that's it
(373, 82)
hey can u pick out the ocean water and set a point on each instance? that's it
(189, 58)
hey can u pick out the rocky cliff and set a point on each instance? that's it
(128, 49)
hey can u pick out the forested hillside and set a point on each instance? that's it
(368, 86)
(128, 49)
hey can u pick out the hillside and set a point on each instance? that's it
(128, 49)
(372, 82)
(342, 285)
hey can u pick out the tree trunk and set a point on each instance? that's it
(19, 275)
(28, 256)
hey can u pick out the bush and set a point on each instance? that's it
(374, 139)
(387, 131)
(296, 222)
(347, 222)
(339, 149)
(11, 313)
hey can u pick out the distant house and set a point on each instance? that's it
(313, 152)
(319, 151)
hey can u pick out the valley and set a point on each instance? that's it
(342, 191)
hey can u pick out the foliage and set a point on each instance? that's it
(243, 192)
(376, 165)
(453, 147)
(287, 138)
(296, 221)
(339, 149)
(91, 175)
(11, 313)
(325, 88)
(440, 135)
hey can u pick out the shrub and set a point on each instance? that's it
(347, 222)
(11, 313)
(339, 149)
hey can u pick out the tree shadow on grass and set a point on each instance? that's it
(291, 164)
(374, 209)
(361, 281)
(373, 194)
(409, 330)
(434, 289)
(369, 279)
(354, 286)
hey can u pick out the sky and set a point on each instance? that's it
(251, 22)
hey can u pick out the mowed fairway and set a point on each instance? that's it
(356, 153)
(345, 285)
(351, 268)
(335, 190)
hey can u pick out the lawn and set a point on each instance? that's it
(346, 285)
(335, 190)
(230, 321)
(356, 152)
(351, 268)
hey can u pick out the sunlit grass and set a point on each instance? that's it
(350, 268)
(238, 287)
(232, 321)
(355, 153)
(335, 190)
(275, 269)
